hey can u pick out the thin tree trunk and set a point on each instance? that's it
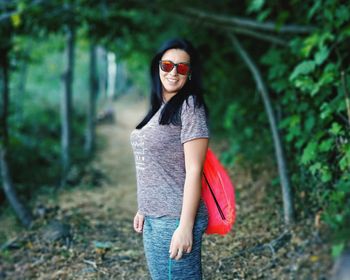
(4, 87)
(346, 94)
(112, 70)
(282, 166)
(66, 104)
(102, 61)
(22, 213)
(23, 73)
(91, 110)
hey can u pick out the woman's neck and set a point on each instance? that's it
(168, 95)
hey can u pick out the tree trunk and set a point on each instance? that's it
(112, 70)
(4, 87)
(23, 73)
(66, 104)
(282, 166)
(102, 71)
(91, 110)
(122, 79)
(22, 213)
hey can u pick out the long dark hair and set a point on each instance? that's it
(171, 111)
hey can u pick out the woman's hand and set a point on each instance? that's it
(138, 222)
(181, 242)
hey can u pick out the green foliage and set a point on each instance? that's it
(34, 117)
(315, 124)
(337, 249)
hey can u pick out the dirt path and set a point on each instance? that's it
(100, 212)
(103, 212)
(116, 158)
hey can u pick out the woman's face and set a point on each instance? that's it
(172, 81)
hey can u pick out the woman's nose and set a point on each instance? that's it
(173, 71)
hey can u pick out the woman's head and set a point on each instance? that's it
(175, 80)
(176, 51)
(174, 70)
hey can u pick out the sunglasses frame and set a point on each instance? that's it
(175, 65)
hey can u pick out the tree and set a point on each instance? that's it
(22, 213)
(91, 109)
(282, 165)
(66, 102)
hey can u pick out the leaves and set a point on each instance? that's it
(337, 249)
(16, 19)
(309, 153)
(303, 68)
(336, 129)
(321, 55)
(255, 5)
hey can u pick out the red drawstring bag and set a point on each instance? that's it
(218, 195)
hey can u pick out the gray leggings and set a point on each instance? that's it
(157, 234)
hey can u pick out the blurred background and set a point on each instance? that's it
(74, 82)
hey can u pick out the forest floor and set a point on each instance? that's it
(101, 207)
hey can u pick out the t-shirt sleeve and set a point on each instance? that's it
(193, 122)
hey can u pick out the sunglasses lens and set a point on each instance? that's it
(166, 66)
(183, 69)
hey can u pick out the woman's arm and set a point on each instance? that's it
(195, 151)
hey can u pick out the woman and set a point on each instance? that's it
(169, 146)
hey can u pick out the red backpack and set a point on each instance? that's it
(218, 195)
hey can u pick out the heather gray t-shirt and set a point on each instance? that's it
(160, 163)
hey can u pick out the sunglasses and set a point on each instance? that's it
(168, 66)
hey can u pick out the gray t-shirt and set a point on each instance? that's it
(160, 163)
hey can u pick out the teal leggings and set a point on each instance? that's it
(157, 234)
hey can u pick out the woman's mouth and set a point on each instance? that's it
(172, 81)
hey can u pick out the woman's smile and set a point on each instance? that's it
(172, 81)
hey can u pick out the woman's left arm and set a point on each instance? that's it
(195, 151)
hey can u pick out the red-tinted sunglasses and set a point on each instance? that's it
(168, 66)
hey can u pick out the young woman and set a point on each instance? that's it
(169, 146)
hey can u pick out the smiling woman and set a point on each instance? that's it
(169, 147)
(174, 70)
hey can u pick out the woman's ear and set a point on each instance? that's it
(189, 76)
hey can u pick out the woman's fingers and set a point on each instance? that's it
(177, 252)
(138, 223)
(171, 246)
(180, 244)
(173, 250)
(180, 253)
(141, 221)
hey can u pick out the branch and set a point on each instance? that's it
(254, 34)
(240, 30)
(261, 36)
(273, 246)
(279, 153)
(248, 23)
